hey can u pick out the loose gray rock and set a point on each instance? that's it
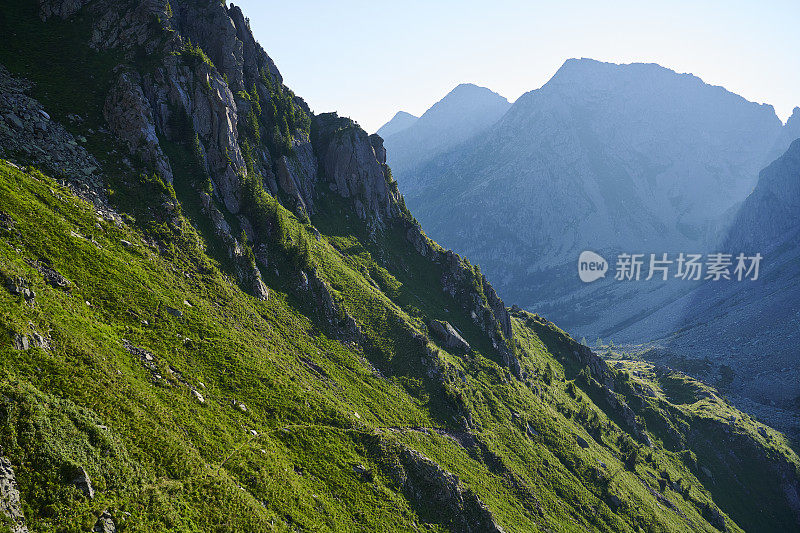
(447, 333)
(83, 483)
(15, 120)
(105, 524)
(18, 286)
(174, 312)
(10, 502)
(52, 276)
(21, 342)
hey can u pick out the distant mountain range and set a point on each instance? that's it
(611, 158)
(745, 337)
(466, 111)
(400, 121)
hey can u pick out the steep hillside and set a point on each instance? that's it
(611, 158)
(465, 111)
(217, 314)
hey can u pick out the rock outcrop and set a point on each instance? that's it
(105, 524)
(10, 504)
(297, 176)
(448, 334)
(426, 483)
(210, 85)
(130, 117)
(354, 165)
(60, 8)
(81, 481)
(473, 292)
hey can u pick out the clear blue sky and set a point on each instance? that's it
(369, 59)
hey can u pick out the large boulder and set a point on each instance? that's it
(448, 334)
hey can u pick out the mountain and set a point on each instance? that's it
(400, 121)
(462, 113)
(611, 158)
(217, 314)
(743, 336)
(790, 132)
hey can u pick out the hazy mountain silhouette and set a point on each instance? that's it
(613, 158)
(400, 121)
(464, 112)
(745, 336)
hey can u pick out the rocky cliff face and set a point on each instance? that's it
(354, 166)
(207, 83)
(770, 213)
(206, 76)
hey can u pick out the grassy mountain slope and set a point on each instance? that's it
(134, 346)
(298, 430)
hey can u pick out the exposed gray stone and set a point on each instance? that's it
(105, 524)
(130, 117)
(10, 502)
(428, 484)
(15, 120)
(177, 313)
(350, 162)
(447, 333)
(34, 139)
(60, 8)
(18, 286)
(82, 482)
(21, 342)
(260, 289)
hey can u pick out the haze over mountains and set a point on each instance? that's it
(612, 158)
(217, 314)
(746, 336)
(400, 121)
(463, 112)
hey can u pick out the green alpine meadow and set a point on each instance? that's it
(217, 314)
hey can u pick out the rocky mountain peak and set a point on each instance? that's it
(210, 91)
(466, 98)
(465, 111)
(208, 78)
(400, 121)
